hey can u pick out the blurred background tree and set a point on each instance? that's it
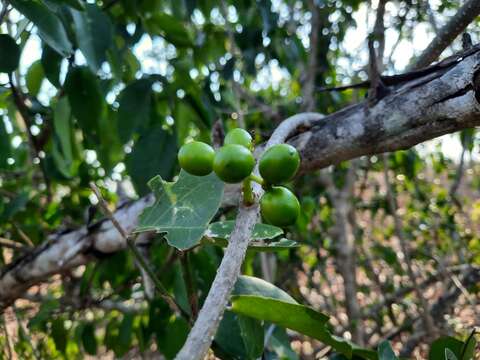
(107, 91)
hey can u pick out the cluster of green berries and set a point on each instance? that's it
(234, 162)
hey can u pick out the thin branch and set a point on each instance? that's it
(142, 262)
(25, 115)
(189, 284)
(8, 341)
(11, 244)
(201, 336)
(454, 27)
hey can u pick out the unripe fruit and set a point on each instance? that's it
(196, 158)
(279, 206)
(233, 163)
(240, 137)
(279, 163)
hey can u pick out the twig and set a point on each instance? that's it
(191, 288)
(24, 114)
(202, 333)
(138, 256)
(11, 244)
(8, 341)
(454, 27)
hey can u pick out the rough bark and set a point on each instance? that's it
(439, 102)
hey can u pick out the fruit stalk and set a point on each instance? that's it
(248, 198)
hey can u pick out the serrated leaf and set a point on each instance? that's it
(385, 351)
(223, 230)
(182, 209)
(296, 317)
(49, 25)
(94, 33)
(10, 54)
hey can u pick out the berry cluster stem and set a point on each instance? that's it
(257, 179)
(248, 198)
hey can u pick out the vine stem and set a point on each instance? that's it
(202, 334)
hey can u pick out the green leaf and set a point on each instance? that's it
(282, 244)
(450, 355)
(5, 146)
(76, 4)
(249, 285)
(85, 97)
(34, 78)
(124, 340)
(154, 153)
(171, 339)
(89, 340)
(94, 33)
(169, 28)
(223, 230)
(59, 335)
(438, 347)
(296, 317)
(252, 334)
(182, 209)
(468, 350)
(10, 54)
(218, 232)
(62, 151)
(134, 109)
(279, 342)
(17, 204)
(51, 62)
(49, 25)
(385, 351)
(239, 337)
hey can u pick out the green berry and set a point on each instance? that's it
(196, 158)
(279, 206)
(233, 163)
(240, 137)
(279, 163)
